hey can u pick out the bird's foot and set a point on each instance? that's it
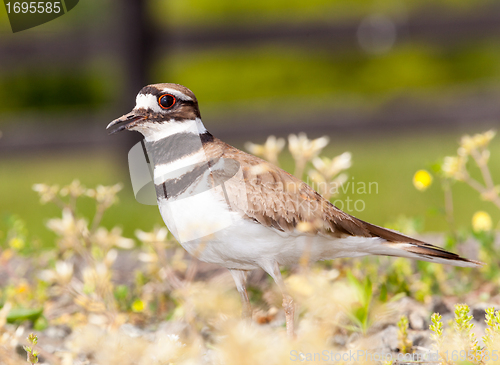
(289, 307)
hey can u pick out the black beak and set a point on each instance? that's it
(124, 122)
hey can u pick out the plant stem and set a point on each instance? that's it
(484, 169)
(299, 168)
(482, 190)
(448, 207)
(97, 217)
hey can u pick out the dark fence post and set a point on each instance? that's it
(138, 42)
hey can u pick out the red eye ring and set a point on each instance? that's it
(166, 101)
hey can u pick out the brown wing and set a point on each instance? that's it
(272, 197)
(275, 198)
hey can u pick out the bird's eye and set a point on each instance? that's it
(166, 101)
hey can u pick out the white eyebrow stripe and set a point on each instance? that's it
(177, 94)
(147, 101)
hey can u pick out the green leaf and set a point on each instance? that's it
(383, 293)
(354, 281)
(368, 291)
(121, 292)
(24, 314)
(41, 323)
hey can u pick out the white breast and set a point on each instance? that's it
(209, 228)
(206, 227)
(197, 217)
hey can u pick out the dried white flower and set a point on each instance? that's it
(47, 192)
(71, 230)
(105, 195)
(454, 167)
(75, 189)
(331, 167)
(269, 150)
(478, 141)
(157, 235)
(302, 147)
(107, 239)
(62, 274)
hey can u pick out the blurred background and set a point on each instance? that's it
(396, 83)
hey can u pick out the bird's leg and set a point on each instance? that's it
(288, 304)
(240, 278)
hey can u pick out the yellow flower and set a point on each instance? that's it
(16, 243)
(481, 222)
(138, 305)
(422, 180)
(22, 288)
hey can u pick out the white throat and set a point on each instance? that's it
(154, 131)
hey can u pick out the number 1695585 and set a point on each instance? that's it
(33, 7)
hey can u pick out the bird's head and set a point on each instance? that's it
(161, 109)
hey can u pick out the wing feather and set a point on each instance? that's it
(276, 199)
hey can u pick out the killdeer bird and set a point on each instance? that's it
(233, 209)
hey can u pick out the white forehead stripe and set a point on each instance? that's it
(177, 94)
(147, 101)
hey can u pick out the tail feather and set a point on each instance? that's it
(398, 244)
(433, 254)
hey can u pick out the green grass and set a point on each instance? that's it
(275, 76)
(267, 77)
(250, 13)
(91, 168)
(389, 161)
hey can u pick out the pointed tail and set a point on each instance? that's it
(400, 245)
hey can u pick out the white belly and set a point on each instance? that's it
(206, 227)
